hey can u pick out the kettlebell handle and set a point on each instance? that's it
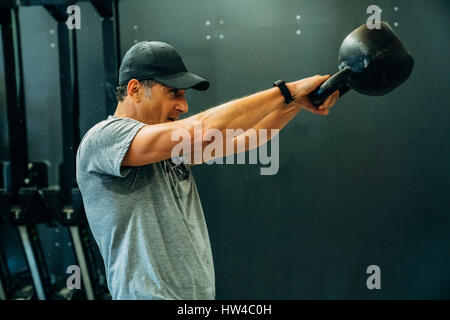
(339, 81)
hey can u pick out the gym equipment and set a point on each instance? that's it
(23, 203)
(108, 11)
(29, 201)
(371, 61)
(25, 211)
(17, 168)
(6, 286)
(64, 202)
(25, 206)
(5, 278)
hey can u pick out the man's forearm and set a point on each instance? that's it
(277, 119)
(244, 117)
(252, 138)
(243, 113)
(237, 115)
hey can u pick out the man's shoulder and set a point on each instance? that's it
(96, 127)
(93, 133)
(108, 126)
(101, 148)
(109, 136)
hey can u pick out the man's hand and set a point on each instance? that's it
(301, 88)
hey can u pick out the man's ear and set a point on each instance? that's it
(133, 89)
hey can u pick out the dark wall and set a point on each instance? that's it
(366, 185)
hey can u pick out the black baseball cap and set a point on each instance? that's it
(160, 61)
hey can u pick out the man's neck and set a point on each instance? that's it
(123, 111)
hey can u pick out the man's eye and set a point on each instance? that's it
(176, 93)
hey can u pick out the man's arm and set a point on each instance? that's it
(277, 119)
(153, 143)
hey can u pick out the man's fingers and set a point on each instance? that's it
(322, 79)
(308, 85)
(330, 101)
(318, 80)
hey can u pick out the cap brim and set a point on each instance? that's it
(183, 80)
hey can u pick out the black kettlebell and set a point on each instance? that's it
(371, 61)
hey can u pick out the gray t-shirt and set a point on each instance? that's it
(147, 221)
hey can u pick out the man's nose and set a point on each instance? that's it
(182, 106)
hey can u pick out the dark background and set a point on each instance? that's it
(368, 184)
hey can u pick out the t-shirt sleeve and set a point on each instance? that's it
(103, 148)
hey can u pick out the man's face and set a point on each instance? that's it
(164, 104)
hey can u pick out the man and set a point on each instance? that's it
(143, 208)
